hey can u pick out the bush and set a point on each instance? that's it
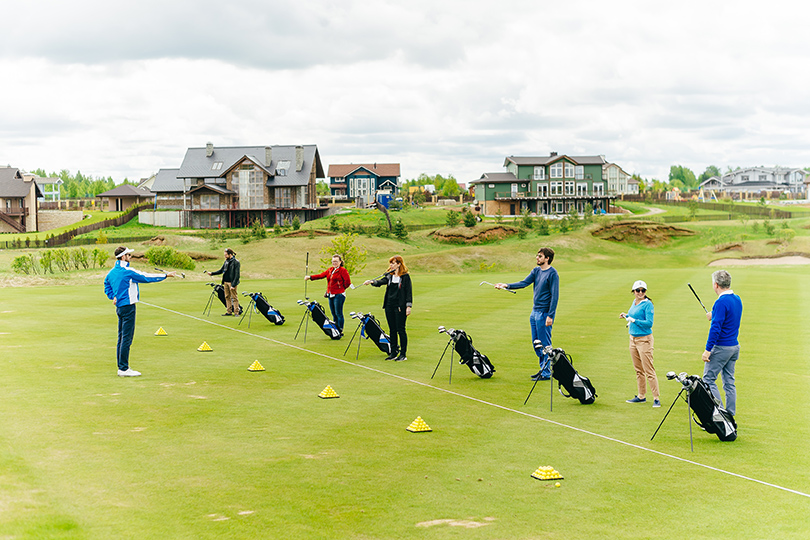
(168, 256)
(296, 223)
(526, 219)
(755, 227)
(394, 205)
(46, 261)
(257, 229)
(469, 219)
(24, 264)
(353, 258)
(333, 224)
(101, 238)
(542, 226)
(400, 231)
(786, 235)
(452, 218)
(768, 227)
(99, 257)
(564, 225)
(80, 257)
(246, 236)
(62, 257)
(499, 216)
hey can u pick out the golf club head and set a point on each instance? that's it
(442, 329)
(671, 375)
(537, 343)
(183, 274)
(301, 303)
(482, 283)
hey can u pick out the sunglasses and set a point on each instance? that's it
(639, 290)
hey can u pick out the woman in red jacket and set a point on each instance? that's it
(337, 280)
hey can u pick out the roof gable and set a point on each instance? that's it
(12, 184)
(126, 190)
(377, 169)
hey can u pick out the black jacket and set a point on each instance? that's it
(230, 271)
(399, 293)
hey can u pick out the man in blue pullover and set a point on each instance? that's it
(722, 347)
(546, 294)
(121, 286)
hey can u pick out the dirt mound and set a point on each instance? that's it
(301, 232)
(159, 240)
(473, 235)
(734, 246)
(648, 233)
(197, 256)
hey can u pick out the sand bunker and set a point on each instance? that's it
(648, 233)
(787, 260)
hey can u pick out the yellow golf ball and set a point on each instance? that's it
(557, 484)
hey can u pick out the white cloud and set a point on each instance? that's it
(449, 87)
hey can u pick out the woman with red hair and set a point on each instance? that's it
(397, 304)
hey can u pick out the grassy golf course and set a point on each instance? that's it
(199, 447)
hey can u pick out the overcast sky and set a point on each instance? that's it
(450, 87)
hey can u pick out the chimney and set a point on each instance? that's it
(268, 155)
(554, 154)
(209, 149)
(299, 158)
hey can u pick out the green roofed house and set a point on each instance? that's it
(549, 185)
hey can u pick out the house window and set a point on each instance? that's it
(569, 188)
(569, 170)
(744, 178)
(209, 221)
(491, 186)
(582, 189)
(556, 170)
(558, 208)
(209, 201)
(282, 167)
(542, 190)
(248, 183)
(556, 188)
(598, 189)
(539, 173)
(284, 197)
(761, 177)
(216, 166)
(514, 190)
(580, 172)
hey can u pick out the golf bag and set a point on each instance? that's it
(319, 317)
(708, 412)
(263, 306)
(371, 329)
(220, 290)
(469, 355)
(577, 386)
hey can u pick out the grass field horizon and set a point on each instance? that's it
(198, 447)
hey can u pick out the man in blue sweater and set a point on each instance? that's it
(546, 294)
(722, 347)
(121, 286)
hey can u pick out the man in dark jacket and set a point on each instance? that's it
(230, 280)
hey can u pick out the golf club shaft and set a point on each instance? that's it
(698, 298)
(488, 283)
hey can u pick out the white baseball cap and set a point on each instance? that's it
(639, 285)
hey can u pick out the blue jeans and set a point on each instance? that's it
(126, 330)
(542, 332)
(336, 306)
(723, 360)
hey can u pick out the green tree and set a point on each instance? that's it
(354, 258)
(322, 189)
(400, 231)
(469, 219)
(452, 218)
(682, 178)
(542, 226)
(526, 219)
(499, 216)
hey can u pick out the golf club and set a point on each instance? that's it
(698, 298)
(488, 283)
(306, 281)
(164, 272)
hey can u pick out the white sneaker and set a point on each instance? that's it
(129, 373)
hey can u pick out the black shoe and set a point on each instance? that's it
(400, 358)
(539, 377)
(240, 311)
(392, 355)
(226, 314)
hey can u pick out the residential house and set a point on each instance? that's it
(18, 201)
(122, 197)
(50, 187)
(549, 185)
(363, 180)
(234, 186)
(754, 181)
(617, 179)
(168, 189)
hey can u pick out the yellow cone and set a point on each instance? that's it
(328, 393)
(256, 366)
(418, 426)
(161, 332)
(546, 473)
(205, 347)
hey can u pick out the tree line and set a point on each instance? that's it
(79, 186)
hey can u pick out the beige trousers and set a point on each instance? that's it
(231, 299)
(641, 351)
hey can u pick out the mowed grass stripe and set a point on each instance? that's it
(483, 402)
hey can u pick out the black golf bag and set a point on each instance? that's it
(577, 386)
(263, 306)
(319, 317)
(708, 412)
(371, 329)
(220, 290)
(469, 355)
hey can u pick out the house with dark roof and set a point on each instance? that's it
(122, 197)
(759, 181)
(168, 189)
(18, 201)
(233, 186)
(363, 180)
(547, 185)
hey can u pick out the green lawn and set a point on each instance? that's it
(201, 448)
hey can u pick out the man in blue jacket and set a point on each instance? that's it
(121, 286)
(546, 294)
(722, 347)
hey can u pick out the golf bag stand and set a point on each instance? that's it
(449, 342)
(547, 351)
(688, 415)
(369, 328)
(306, 318)
(259, 303)
(217, 292)
(249, 310)
(316, 312)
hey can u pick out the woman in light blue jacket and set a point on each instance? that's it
(639, 323)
